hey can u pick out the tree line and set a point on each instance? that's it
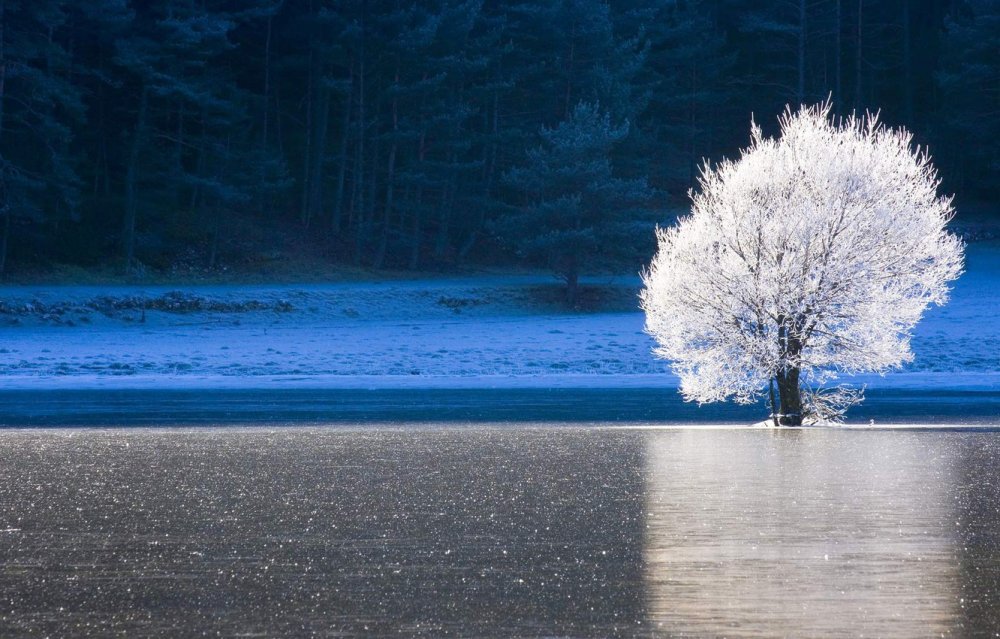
(419, 134)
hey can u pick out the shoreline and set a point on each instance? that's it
(452, 406)
(914, 382)
(501, 332)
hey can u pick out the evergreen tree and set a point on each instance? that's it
(90, 33)
(416, 111)
(185, 110)
(576, 215)
(378, 133)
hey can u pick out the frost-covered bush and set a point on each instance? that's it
(813, 254)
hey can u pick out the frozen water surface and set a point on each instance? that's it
(505, 531)
(132, 407)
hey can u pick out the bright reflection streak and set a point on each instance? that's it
(799, 533)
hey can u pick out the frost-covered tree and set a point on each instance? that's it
(813, 254)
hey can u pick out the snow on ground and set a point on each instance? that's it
(469, 332)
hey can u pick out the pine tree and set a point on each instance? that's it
(575, 215)
(185, 107)
(416, 111)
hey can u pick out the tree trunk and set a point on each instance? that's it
(489, 170)
(790, 349)
(345, 136)
(837, 69)
(315, 200)
(389, 181)
(568, 99)
(309, 135)
(279, 133)
(4, 204)
(572, 286)
(265, 197)
(418, 207)
(692, 129)
(801, 85)
(213, 245)
(3, 61)
(267, 84)
(858, 58)
(774, 405)
(3, 242)
(790, 397)
(359, 174)
(572, 277)
(373, 171)
(442, 244)
(102, 177)
(417, 230)
(199, 195)
(131, 180)
(907, 76)
(179, 155)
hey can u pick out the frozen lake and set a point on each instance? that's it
(499, 530)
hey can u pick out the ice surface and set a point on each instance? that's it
(498, 532)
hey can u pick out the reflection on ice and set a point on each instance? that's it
(801, 534)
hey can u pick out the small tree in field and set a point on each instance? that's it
(813, 254)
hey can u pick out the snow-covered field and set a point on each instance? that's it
(471, 332)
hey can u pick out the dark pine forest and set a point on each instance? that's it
(162, 135)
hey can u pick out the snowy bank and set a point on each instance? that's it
(489, 332)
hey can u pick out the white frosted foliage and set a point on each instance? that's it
(831, 235)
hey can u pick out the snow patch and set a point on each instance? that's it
(487, 333)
